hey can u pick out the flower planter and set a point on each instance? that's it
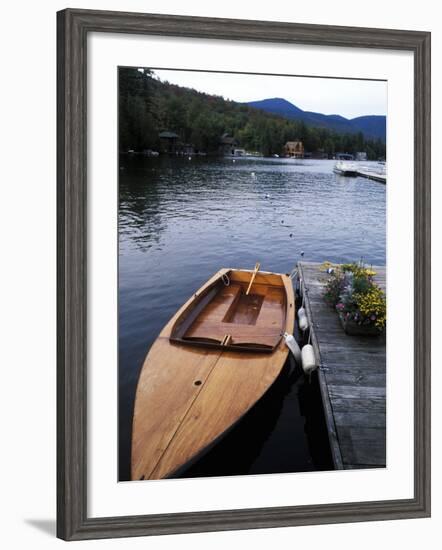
(352, 328)
(354, 294)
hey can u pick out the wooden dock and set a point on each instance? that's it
(382, 178)
(352, 378)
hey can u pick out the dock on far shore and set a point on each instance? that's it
(352, 377)
(352, 169)
(375, 176)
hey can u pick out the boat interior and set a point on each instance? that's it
(225, 316)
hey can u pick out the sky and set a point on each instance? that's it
(348, 98)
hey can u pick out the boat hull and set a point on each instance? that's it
(346, 173)
(188, 395)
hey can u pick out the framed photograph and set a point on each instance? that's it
(243, 274)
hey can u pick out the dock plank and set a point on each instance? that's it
(352, 378)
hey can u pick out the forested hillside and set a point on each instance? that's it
(148, 106)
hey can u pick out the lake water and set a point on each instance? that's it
(182, 220)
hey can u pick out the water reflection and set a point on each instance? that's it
(278, 435)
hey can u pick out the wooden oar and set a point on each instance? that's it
(257, 266)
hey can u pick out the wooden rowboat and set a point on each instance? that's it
(211, 362)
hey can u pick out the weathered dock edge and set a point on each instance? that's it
(351, 378)
(328, 411)
(381, 178)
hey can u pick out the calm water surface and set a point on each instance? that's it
(181, 220)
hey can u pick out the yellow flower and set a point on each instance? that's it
(372, 303)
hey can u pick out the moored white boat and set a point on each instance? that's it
(345, 169)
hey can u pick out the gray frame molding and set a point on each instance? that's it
(72, 29)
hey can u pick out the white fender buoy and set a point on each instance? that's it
(293, 346)
(302, 319)
(308, 359)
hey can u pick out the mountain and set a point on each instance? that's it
(279, 106)
(372, 126)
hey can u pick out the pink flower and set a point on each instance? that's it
(340, 306)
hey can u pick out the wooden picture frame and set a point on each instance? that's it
(73, 27)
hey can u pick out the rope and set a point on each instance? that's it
(225, 279)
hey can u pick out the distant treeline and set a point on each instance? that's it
(148, 106)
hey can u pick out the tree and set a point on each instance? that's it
(148, 106)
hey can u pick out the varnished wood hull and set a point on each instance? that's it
(189, 395)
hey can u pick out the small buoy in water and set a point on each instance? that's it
(253, 174)
(233, 160)
(308, 359)
(293, 346)
(291, 234)
(302, 319)
(302, 253)
(190, 158)
(282, 221)
(267, 196)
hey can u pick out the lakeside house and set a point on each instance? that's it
(227, 145)
(319, 154)
(361, 155)
(294, 149)
(168, 142)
